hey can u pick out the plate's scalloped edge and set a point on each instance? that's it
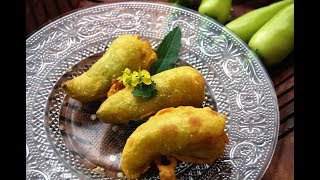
(56, 41)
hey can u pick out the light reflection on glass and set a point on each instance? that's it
(112, 158)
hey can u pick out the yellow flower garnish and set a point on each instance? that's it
(127, 77)
(135, 79)
(145, 77)
(141, 81)
(126, 80)
(127, 71)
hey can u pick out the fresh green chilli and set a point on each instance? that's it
(246, 25)
(216, 9)
(275, 40)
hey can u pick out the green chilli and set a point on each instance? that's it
(275, 40)
(216, 9)
(246, 25)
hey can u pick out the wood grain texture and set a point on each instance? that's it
(39, 12)
(282, 164)
(38, 9)
(31, 23)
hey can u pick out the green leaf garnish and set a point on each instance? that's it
(167, 52)
(145, 91)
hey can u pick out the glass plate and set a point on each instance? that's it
(64, 143)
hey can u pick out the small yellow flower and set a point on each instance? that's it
(127, 71)
(145, 77)
(135, 79)
(127, 77)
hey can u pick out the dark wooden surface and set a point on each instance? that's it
(41, 12)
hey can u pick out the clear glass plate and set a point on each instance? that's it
(64, 143)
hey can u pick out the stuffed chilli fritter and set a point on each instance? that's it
(182, 86)
(126, 51)
(186, 133)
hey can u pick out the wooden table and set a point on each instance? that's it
(39, 13)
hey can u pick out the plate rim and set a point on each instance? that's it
(260, 64)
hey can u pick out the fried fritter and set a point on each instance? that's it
(186, 133)
(126, 51)
(182, 86)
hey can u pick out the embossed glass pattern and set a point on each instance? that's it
(63, 143)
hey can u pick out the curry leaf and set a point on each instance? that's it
(167, 52)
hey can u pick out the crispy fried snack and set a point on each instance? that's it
(125, 51)
(182, 86)
(186, 133)
(166, 172)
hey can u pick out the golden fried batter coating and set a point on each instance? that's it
(182, 86)
(167, 171)
(126, 51)
(115, 87)
(187, 133)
